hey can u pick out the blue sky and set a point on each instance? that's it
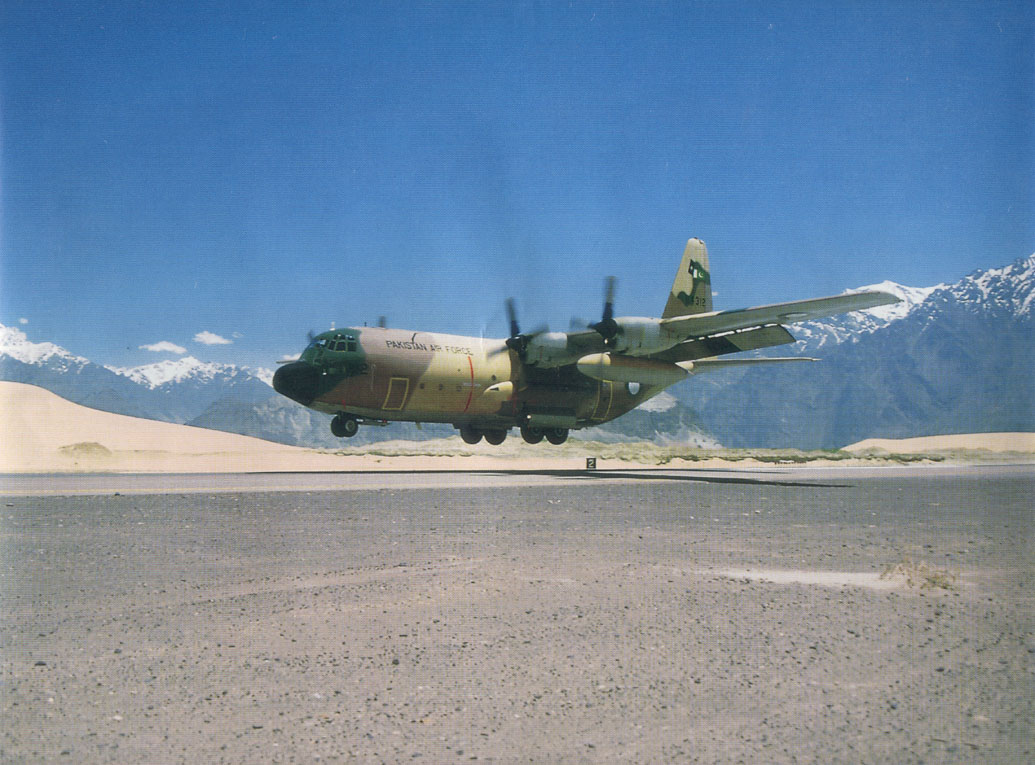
(254, 170)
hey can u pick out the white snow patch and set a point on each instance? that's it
(910, 297)
(15, 343)
(171, 370)
(660, 403)
(264, 374)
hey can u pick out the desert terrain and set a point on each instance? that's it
(41, 432)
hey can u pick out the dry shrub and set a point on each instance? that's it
(921, 574)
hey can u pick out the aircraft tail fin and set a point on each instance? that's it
(692, 288)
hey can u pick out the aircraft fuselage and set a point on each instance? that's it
(390, 374)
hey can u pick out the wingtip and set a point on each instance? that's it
(879, 297)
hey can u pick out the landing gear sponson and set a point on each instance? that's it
(346, 426)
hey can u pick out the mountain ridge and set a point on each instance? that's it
(953, 358)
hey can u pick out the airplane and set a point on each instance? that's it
(544, 383)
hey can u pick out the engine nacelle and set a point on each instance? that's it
(549, 349)
(642, 336)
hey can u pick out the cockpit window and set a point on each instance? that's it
(336, 343)
(339, 343)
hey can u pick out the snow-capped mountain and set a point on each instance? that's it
(173, 371)
(73, 377)
(173, 391)
(950, 358)
(824, 333)
(961, 359)
(198, 385)
(15, 344)
(1004, 293)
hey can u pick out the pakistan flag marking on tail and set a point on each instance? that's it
(692, 289)
(699, 277)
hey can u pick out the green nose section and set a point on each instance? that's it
(298, 381)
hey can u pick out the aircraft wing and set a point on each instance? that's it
(729, 342)
(704, 324)
(585, 341)
(711, 365)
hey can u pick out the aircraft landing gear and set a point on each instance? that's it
(557, 436)
(532, 435)
(470, 435)
(473, 435)
(495, 437)
(344, 426)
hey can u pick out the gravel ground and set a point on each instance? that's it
(606, 621)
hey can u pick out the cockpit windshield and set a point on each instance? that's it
(336, 343)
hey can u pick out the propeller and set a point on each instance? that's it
(382, 321)
(518, 340)
(577, 324)
(607, 327)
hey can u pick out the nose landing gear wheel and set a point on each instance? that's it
(470, 435)
(344, 426)
(557, 436)
(532, 435)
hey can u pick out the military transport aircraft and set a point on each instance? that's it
(545, 383)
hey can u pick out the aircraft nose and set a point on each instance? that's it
(298, 381)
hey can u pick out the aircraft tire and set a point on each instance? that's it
(532, 435)
(557, 436)
(343, 426)
(470, 435)
(495, 437)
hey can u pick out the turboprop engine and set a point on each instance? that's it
(640, 336)
(614, 368)
(548, 349)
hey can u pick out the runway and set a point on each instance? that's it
(640, 616)
(184, 483)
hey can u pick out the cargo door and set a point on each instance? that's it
(398, 390)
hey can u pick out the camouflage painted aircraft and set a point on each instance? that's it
(545, 383)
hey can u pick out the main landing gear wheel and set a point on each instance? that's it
(470, 435)
(495, 437)
(557, 436)
(344, 426)
(532, 435)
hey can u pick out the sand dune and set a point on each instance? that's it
(992, 442)
(40, 432)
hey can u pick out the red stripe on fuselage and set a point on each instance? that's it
(470, 392)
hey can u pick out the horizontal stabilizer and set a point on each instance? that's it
(712, 365)
(704, 324)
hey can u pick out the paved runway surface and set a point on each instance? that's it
(656, 616)
(164, 483)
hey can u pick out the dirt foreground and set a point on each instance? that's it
(757, 617)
